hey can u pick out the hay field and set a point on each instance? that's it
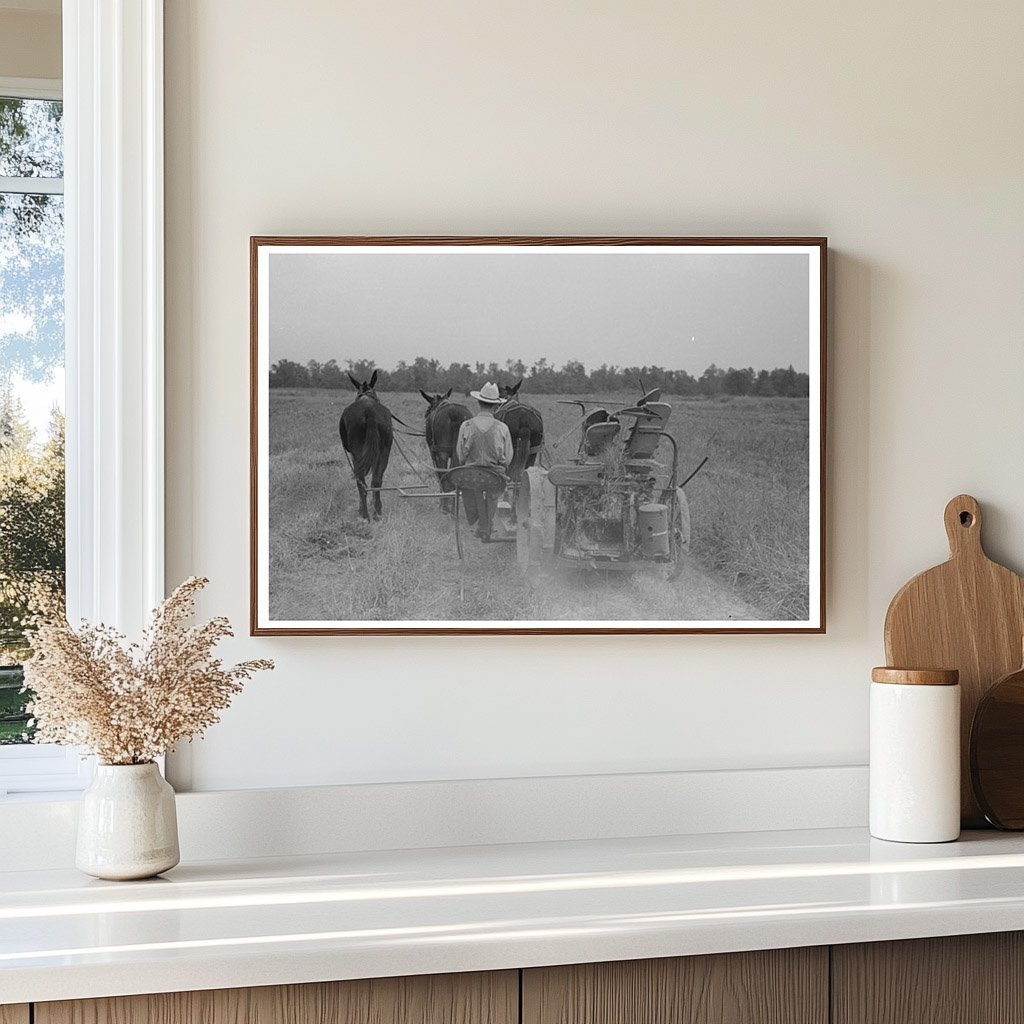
(749, 548)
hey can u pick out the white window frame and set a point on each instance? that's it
(114, 336)
(31, 89)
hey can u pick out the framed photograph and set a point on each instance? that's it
(537, 435)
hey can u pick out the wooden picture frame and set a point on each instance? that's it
(595, 527)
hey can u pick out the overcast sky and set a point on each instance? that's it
(681, 309)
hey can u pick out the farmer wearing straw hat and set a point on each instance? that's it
(483, 441)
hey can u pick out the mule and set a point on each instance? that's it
(367, 436)
(443, 419)
(525, 424)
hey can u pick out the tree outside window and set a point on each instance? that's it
(31, 386)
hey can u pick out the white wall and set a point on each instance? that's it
(894, 129)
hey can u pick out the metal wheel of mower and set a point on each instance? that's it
(680, 533)
(458, 534)
(531, 511)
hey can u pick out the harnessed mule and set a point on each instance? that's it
(367, 435)
(442, 421)
(525, 424)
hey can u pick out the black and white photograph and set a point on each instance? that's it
(537, 435)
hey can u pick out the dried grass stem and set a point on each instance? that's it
(130, 703)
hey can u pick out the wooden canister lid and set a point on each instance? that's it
(916, 676)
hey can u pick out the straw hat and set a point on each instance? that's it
(488, 394)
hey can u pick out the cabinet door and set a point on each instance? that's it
(14, 1014)
(491, 998)
(779, 986)
(963, 979)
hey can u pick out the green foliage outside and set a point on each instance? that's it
(31, 545)
(13, 720)
(31, 349)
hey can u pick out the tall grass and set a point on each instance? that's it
(750, 505)
(749, 509)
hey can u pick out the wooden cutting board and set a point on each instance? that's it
(967, 614)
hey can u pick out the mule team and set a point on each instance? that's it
(367, 434)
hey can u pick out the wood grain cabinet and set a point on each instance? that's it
(491, 998)
(963, 979)
(779, 986)
(972, 979)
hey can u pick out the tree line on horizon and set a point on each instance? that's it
(543, 378)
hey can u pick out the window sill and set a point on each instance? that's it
(42, 797)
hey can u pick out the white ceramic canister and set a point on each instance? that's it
(915, 755)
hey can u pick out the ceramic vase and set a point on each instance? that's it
(127, 825)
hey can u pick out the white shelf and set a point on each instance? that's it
(300, 919)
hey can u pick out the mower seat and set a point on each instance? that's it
(646, 432)
(599, 436)
(478, 478)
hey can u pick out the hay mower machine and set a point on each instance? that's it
(617, 505)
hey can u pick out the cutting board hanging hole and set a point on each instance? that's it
(963, 525)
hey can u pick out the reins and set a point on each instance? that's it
(410, 431)
(401, 451)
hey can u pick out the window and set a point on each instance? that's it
(32, 532)
(113, 330)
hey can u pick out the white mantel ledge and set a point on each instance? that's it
(225, 924)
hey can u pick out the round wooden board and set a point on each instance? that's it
(997, 752)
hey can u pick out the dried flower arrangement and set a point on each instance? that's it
(130, 703)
